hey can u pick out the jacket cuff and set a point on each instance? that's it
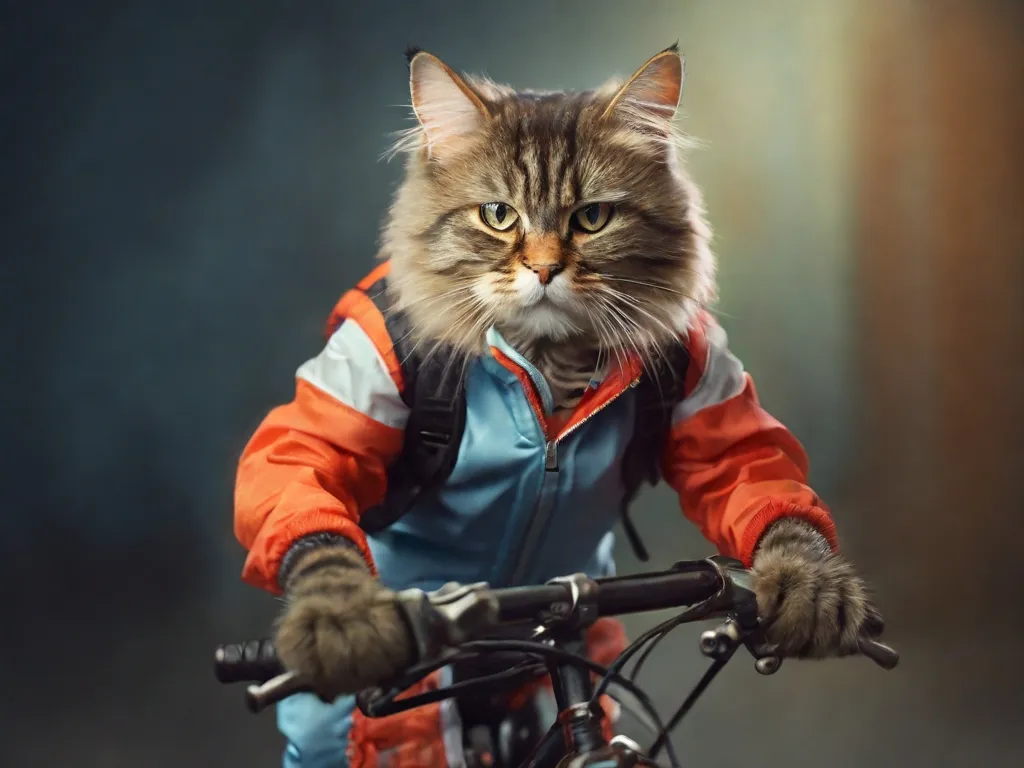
(308, 544)
(771, 513)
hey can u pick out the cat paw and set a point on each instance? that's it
(342, 631)
(812, 601)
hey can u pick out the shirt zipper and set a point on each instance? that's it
(535, 525)
(551, 449)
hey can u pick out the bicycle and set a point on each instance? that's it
(453, 625)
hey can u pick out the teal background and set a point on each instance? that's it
(188, 187)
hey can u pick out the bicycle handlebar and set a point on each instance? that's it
(684, 584)
(456, 614)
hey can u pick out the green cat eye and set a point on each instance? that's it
(499, 216)
(591, 218)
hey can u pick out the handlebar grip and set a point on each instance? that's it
(880, 653)
(252, 661)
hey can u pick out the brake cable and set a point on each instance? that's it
(475, 648)
(661, 632)
(690, 614)
(650, 639)
(525, 670)
(664, 740)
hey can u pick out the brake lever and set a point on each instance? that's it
(724, 639)
(880, 653)
(743, 625)
(259, 697)
(766, 660)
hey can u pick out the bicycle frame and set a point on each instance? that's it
(577, 735)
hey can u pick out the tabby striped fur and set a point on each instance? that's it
(633, 287)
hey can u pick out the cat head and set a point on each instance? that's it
(557, 215)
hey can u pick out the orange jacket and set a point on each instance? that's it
(317, 463)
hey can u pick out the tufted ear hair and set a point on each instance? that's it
(447, 109)
(650, 97)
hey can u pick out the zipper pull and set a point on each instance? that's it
(551, 456)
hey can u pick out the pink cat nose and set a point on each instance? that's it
(542, 253)
(545, 272)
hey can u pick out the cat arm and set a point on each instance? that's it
(309, 471)
(741, 477)
(736, 469)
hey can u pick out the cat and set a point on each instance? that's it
(588, 188)
(562, 228)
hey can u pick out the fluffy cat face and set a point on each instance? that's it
(549, 215)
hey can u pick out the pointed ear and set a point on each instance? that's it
(447, 108)
(650, 97)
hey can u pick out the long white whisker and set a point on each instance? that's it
(624, 322)
(416, 327)
(447, 338)
(635, 304)
(648, 284)
(658, 349)
(605, 340)
(610, 336)
(668, 289)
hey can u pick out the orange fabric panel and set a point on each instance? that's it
(410, 739)
(381, 270)
(617, 382)
(737, 470)
(312, 465)
(606, 639)
(532, 397)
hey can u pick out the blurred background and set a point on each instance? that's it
(189, 186)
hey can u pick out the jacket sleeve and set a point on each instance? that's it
(315, 464)
(736, 468)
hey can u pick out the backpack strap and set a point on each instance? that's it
(436, 398)
(658, 392)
